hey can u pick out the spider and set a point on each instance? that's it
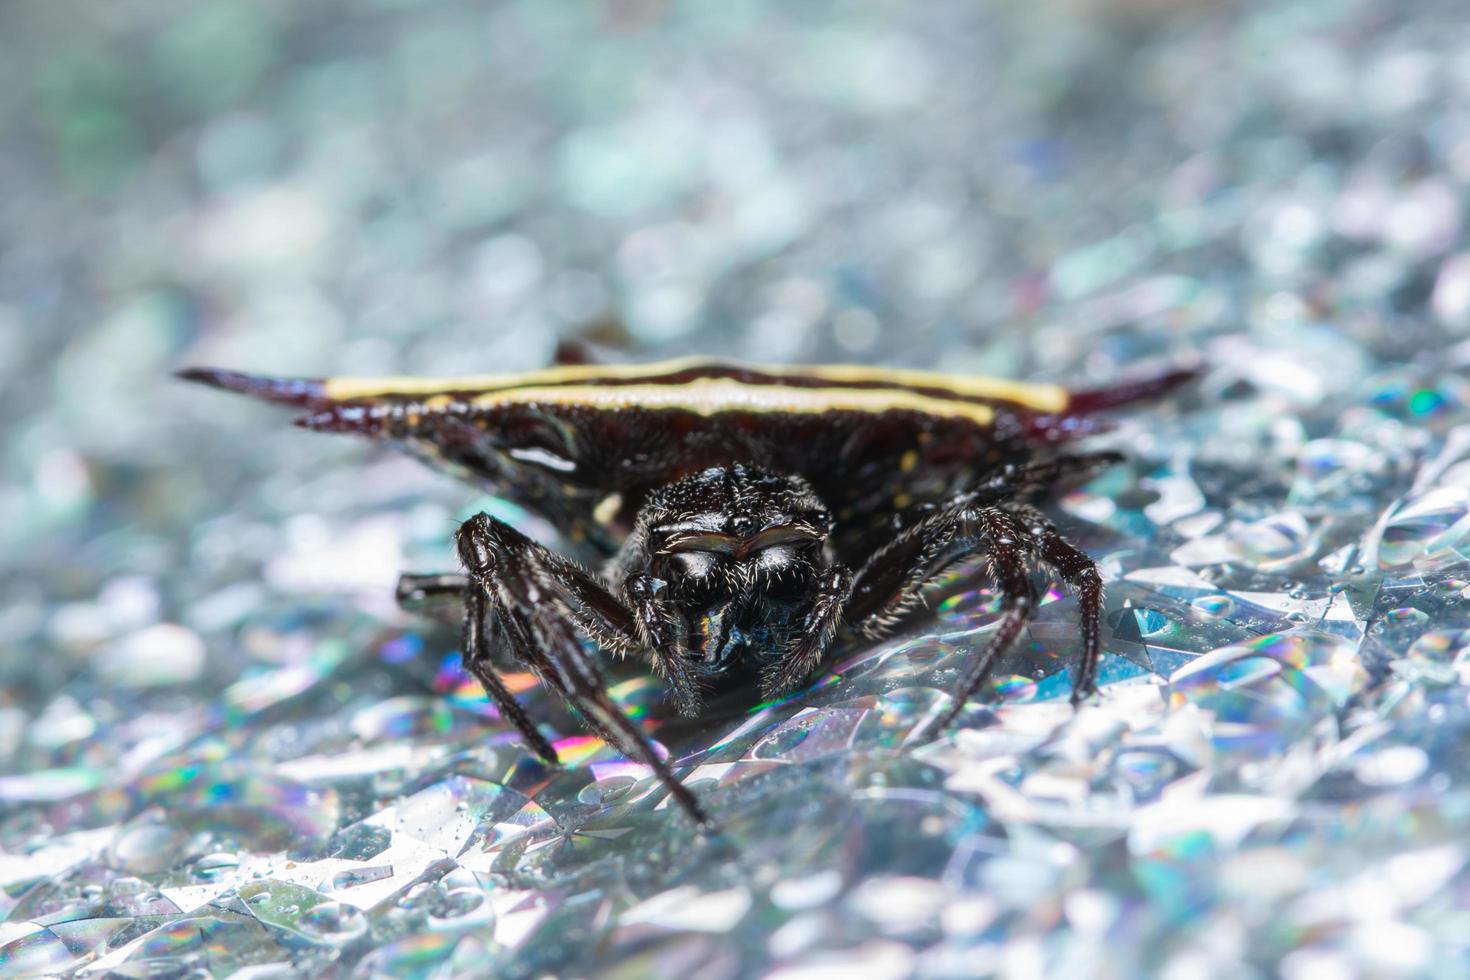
(745, 514)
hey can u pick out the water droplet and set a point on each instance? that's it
(1391, 765)
(1406, 616)
(343, 880)
(1440, 656)
(1266, 694)
(216, 865)
(1214, 606)
(459, 908)
(150, 848)
(778, 743)
(1427, 524)
(607, 790)
(128, 885)
(332, 923)
(302, 912)
(1273, 541)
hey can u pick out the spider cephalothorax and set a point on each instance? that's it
(744, 515)
(738, 555)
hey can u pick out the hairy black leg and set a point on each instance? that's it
(478, 661)
(621, 731)
(1015, 481)
(1080, 572)
(643, 622)
(566, 666)
(1008, 555)
(597, 611)
(659, 633)
(540, 603)
(415, 591)
(892, 581)
(1041, 477)
(817, 629)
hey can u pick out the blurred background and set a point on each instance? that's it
(1073, 190)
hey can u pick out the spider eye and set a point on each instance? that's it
(697, 566)
(787, 534)
(714, 543)
(721, 544)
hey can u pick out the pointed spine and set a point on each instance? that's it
(1127, 392)
(309, 393)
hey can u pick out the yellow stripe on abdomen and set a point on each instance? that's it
(1039, 397)
(717, 396)
(892, 382)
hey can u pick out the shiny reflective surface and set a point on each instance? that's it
(224, 752)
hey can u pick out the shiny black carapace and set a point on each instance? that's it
(745, 514)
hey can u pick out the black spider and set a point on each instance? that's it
(745, 514)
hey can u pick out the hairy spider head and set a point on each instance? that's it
(740, 551)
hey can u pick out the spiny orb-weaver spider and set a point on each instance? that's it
(745, 513)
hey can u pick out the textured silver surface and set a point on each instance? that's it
(224, 751)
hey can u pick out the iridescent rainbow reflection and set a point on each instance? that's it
(33, 951)
(578, 750)
(1274, 689)
(1265, 812)
(255, 806)
(1438, 657)
(638, 696)
(412, 956)
(1014, 687)
(463, 690)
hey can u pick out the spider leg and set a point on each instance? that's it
(417, 591)
(892, 581)
(642, 622)
(477, 660)
(566, 666)
(1013, 482)
(1080, 572)
(656, 626)
(532, 593)
(816, 632)
(1040, 477)
(1008, 562)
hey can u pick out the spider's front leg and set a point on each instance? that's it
(892, 581)
(538, 603)
(813, 637)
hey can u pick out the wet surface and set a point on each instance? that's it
(222, 749)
